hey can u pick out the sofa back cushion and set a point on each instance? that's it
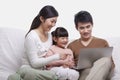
(11, 49)
(115, 42)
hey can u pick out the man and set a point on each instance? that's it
(101, 68)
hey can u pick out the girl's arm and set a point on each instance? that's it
(67, 61)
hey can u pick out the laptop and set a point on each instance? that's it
(88, 56)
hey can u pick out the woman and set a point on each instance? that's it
(38, 40)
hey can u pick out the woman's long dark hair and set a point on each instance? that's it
(46, 12)
(59, 32)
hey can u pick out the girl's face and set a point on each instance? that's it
(49, 23)
(61, 41)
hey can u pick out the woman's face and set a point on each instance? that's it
(49, 23)
(85, 30)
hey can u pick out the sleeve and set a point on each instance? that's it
(31, 51)
(71, 57)
(70, 52)
(69, 46)
(106, 44)
(56, 63)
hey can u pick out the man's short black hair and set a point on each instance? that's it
(83, 17)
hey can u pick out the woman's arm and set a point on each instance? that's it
(32, 53)
(56, 62)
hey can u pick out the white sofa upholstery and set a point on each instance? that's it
(12, 49)
(115, 42)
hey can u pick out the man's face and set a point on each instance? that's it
(85, 30)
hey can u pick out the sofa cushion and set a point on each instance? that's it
(11, 50)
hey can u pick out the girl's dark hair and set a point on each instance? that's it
(59, 32)
(83, 17)
(46, 12)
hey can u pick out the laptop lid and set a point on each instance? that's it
(88, 56)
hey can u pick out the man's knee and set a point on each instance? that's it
(105, 61)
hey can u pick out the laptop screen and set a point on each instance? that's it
(88, 56)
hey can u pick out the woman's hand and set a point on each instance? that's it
(63, 56)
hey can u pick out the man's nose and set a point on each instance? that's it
(85, 30)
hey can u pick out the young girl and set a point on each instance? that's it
(62, 68)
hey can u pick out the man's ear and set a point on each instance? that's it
(76, 27)
(42, 19)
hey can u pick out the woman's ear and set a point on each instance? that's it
(42, 19)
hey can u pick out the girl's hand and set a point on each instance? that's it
(69, 62)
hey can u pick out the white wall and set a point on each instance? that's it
(106, 14)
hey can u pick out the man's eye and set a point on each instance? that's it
(81, 27)
(88, 27)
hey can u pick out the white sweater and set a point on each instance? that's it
(35, 49)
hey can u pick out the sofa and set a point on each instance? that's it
(12, 49)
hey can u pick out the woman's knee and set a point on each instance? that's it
(14, 77)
